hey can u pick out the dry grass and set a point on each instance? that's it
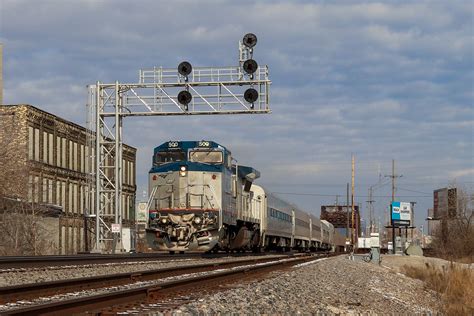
(455, 284)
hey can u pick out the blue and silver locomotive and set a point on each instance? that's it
(200, 200)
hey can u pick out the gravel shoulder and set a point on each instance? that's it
(45, 274)
(396, 262)
(335, 285)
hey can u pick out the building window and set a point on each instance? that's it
(70, 162)
(45, 147)
(86, 160)
(31, 143)
(50, 149)
(44, 190)
(74, 158)
(74, 199)
(37, 145)
(63, 152)
(30, 188)
(58, 193)
(58, 151)
(69, 204)
(82, 158)
(63, 195)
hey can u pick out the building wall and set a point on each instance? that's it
(59, 163)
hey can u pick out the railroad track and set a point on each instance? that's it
(112, 292)
(11, 262)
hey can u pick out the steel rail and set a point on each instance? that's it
(117, 297)
(41, 261)
(29, 290)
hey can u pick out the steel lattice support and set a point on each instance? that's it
(213, 91)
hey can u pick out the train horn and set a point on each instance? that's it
(250, 40)
(250, 66)
(185, 68)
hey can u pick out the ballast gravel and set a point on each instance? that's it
(330, 286)
(10, 277)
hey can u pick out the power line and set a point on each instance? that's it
(412, 190)
(365, 196)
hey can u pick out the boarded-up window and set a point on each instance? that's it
(58, 151)
(63, 152)
(74, 155)
(31, 143)
(45, 147)
(74, 199)
(63, 195)
(71, 149)
(30, 188)
(87, 159)
(69, 204)
(37, 145)
(50, 149)
(45, 190)
(82, 158)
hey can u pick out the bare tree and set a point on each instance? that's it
(24, 230)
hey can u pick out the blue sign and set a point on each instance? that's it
(401, 213)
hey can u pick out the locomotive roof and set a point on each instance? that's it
(185, 145)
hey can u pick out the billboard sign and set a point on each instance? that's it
(401, 214)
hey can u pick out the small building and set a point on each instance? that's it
(46, 167)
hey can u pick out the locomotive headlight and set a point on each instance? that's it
(197, 220)
(182, 171)
(164, 220)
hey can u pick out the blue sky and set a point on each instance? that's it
(382, 80)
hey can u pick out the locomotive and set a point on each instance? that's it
(202, 200)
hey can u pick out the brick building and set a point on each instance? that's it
(46, 161)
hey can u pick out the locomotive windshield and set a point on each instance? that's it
(163, 157)
(205, 156)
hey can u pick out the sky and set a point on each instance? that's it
(380, 80)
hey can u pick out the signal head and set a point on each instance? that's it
(250, 66)
(185, 68)
(250, 40)
(251, 95)
(184, 97)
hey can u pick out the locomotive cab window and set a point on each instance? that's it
(206, 156)
(169, 156)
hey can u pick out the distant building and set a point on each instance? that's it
(47, 162)
(340, 216)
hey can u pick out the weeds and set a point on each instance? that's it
(455, 284)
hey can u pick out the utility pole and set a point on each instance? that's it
(370, 201)
(352, 202)
(347, 211)
(390, 223)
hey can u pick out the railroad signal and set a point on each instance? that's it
(184, 97)
(164, 91)
(250, 40)
(251, 95)
(185, 68)
(250, 66)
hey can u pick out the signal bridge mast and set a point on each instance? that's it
(185, 90)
